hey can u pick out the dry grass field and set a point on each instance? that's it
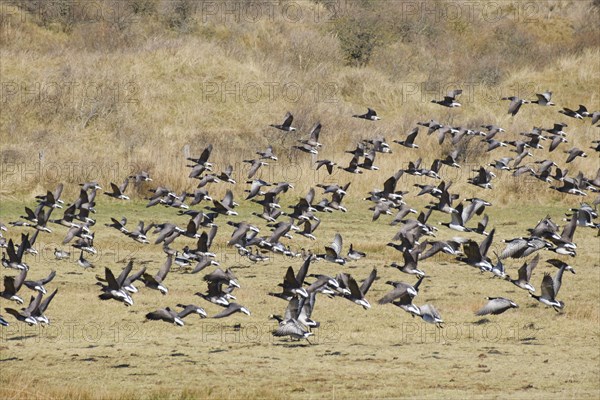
(95, 349)
(100, 90)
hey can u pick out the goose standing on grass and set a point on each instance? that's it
(496, 305)
(371, 115)
(85, 264)
(286, 126)
(354, 254)
(60, 254)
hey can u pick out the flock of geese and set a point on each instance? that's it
(299, 289)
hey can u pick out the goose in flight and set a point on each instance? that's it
(357, 294)
(232, 308)
(157, 281)
(543, 99)
(549, 292)
(286, 126)
(496, 305)
(515, 104)
(118, 192)
(371, 115)
(333, 252)
(525, 275)
(450, 99)
(580, 113)
(39, 284)
(12, 286)
(172, 316)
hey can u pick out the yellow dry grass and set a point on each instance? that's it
(95, 349)
(145, 91)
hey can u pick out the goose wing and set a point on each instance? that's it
(399, 292)
(164, 270)
(44, 304)
(123, 275)
(366, 284)
(548, 287)
(164, 314)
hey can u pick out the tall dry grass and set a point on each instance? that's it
(98, 93)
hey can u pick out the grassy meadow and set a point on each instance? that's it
(97, 91)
